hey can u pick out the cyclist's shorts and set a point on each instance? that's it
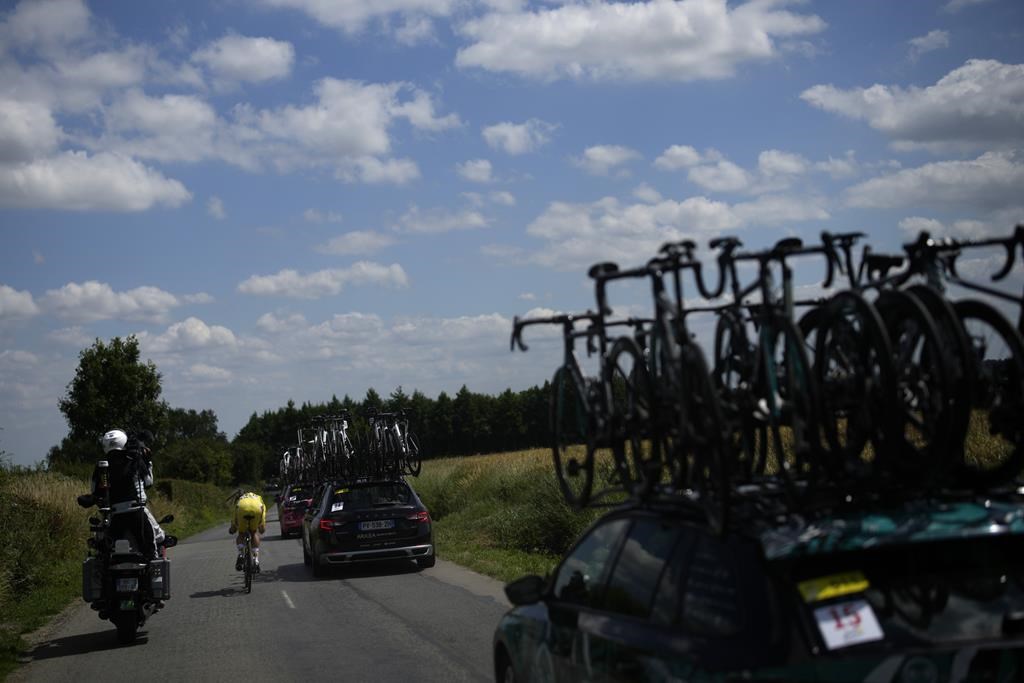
(250, 506)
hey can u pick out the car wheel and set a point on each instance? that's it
(506, 673)
(318, 569)
(426, 562)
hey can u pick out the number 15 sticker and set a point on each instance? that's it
(848, 623)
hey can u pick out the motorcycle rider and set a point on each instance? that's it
(250, 515)
(130, 468)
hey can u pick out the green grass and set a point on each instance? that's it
(502, 515)
(42, 544)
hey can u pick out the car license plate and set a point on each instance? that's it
(127, 585)
(377, 524)
(848, 623)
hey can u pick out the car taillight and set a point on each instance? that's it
(326, 525)
(421, 517)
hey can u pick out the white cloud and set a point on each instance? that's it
(776, 162)
(200, 372)
(27, 131)
(16, 303)
(200, 298)
(954, 6)
(356, 242)
(991, 182)
(780, 209)
(237, 59)
(94, 300)
(317, 216)
(74, 336)
(165, 128)
(353, 15)
(75, 181)
(415, 30)
(269, 322)
(721, 176)
(187, 335)
(933, 40)
(502, 197)
(976, 105)
(475, 170)
(845, 167)
(375, 171)
(678, 41)
(215, 207)
(601, 159)
(15, 358)
(578, 235)
(518, 138)
(420, 112)
(438, 220)
(912, 226)
(677, 157)
(321, 283)
(646, 193)
(46, 24)
(527, 296)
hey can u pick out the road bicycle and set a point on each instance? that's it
(592, 414)
(248, 561)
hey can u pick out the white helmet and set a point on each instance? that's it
(115, 439)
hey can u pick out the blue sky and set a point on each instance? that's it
(300, 198)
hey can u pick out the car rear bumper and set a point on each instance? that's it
(411, 552)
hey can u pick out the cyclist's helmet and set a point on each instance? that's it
(115, 439)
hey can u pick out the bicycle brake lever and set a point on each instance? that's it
(1011, 253)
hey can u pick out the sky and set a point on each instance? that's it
(294, 199)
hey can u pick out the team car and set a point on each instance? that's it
(366, 521)
(919, 591)
(291, 506)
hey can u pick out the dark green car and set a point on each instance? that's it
(926, 591)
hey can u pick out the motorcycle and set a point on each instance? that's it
(121, 579)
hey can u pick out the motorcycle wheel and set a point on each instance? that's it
(127, 627)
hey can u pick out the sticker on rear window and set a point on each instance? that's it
(833, 586)
(848, 623)
(338, 506)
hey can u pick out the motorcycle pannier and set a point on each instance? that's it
(160, 579)
(92, 580)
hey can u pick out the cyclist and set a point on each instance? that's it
(250, 515)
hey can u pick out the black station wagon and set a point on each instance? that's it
(925, 591)
(366, 521)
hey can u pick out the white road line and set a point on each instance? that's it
(288, 600)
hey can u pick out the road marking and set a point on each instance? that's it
(288, 600)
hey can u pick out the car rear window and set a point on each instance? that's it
(297, 494)
(364, 497)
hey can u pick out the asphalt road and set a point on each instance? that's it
(379, 623)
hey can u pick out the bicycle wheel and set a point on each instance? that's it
(921, 449)
(704, 443)
(413, 463)
(786, 400)
(733, 375)
(248, 565)
(637, 461)
(994, 445)
(958, 358)
(856, 381)
(571, 432)
(392, 456)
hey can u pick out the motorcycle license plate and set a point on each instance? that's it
(127, 585)
(377, 524)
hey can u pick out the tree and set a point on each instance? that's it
(112, 388)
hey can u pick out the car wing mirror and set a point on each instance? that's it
(170, 541)
(167, 519)
(526, 591)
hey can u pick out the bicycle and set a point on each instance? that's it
(583, 409)
(248, 563)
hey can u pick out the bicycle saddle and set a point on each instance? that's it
(725, 243)
(682, 246)
(843, 237)
(605, 268)
(789, 244)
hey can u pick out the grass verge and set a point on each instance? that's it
(502, 515)
(42, 544)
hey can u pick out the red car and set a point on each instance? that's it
(291, 506)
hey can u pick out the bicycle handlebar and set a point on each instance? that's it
(567, 320)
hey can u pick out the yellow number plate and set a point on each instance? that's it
(834, 586)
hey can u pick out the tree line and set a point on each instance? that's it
(113, 387)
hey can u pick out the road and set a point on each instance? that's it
(379, 623)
